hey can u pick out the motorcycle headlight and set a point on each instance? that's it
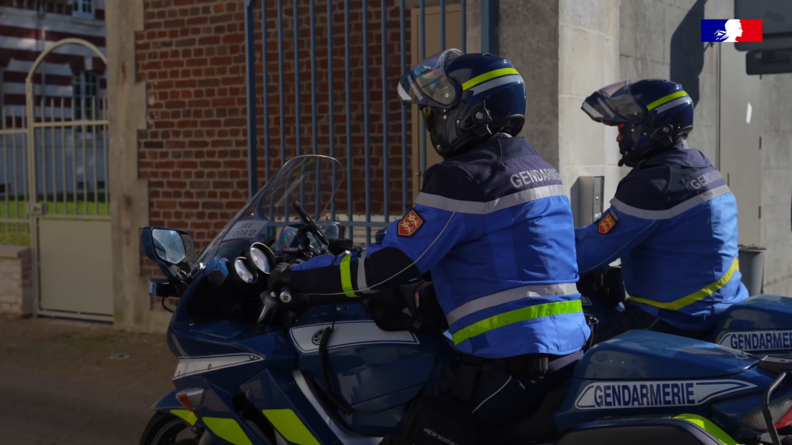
(243, 272)
(261, 257)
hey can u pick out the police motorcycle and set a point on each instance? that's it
(260, 367)
(761, 325)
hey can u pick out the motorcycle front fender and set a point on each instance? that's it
(167, 403)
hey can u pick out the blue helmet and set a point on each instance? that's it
(465, 98)
(651, 114)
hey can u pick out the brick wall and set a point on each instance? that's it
(193, 152)
(16, 284)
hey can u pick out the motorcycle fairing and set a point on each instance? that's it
(729, 378)
(358, 350)
(762, 325)
(648, 431)
(628, 357)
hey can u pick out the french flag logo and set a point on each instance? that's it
(731, 30)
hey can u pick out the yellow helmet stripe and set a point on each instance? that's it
(487, 76)
(665, 99)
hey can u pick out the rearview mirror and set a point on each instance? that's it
(380, 236)
(168, 245)
(331, 229)
(171, 249)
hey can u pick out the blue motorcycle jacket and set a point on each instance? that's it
(673, 223)
(494, 227)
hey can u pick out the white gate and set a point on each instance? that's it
(57, 162)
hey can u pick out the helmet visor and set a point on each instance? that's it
(614, 105)
(427, 83)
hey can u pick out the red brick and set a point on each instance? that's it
(189, 205)
(178, 23)
(174, 104)
(220, 61)
(194, 152)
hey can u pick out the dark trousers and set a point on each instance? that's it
(507, 402)
(635, 318)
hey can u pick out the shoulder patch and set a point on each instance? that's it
(607, 223)
(410, 224)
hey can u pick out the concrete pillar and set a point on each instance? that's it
(588, 60)
(528, 36)
(565, 50)
(130, 195)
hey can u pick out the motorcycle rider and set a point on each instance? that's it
(673, 221)
(493, 225)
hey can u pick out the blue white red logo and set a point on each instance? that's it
(731, 30)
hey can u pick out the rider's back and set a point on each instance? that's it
(508, 285)
(686, 271)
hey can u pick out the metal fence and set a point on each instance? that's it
(14, 219)
(252, 82)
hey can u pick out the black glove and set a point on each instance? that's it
(279, 277)
(604, 284)
(591, 283)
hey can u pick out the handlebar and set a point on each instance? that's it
(273, 300)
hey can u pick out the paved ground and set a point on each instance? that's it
(59, 384)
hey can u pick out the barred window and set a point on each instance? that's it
(82, 8)
(85, 87)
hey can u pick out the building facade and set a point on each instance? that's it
(177, 88)
(70, 85)
(53, 155)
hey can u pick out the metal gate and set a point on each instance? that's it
(362, 220)
(55, 160)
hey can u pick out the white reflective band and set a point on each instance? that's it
(403, 94)
(428, 248)
(508, 296)
(674, 103)
(673, 211)
(483, 208)
(504, 80)
(590, 110)
(361, 275)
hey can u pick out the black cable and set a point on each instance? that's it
(323, 365)
(162, 300)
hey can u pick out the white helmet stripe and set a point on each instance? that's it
(403, 94)
(504, 80)
(674, 103)
(590, 110)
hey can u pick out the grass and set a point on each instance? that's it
(17, 234)
(8, 238)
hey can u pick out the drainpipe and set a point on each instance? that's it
(250, 80)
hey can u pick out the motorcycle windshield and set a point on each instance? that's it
(312, 180)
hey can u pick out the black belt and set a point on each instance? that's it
(528, 365)
(535, 364)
